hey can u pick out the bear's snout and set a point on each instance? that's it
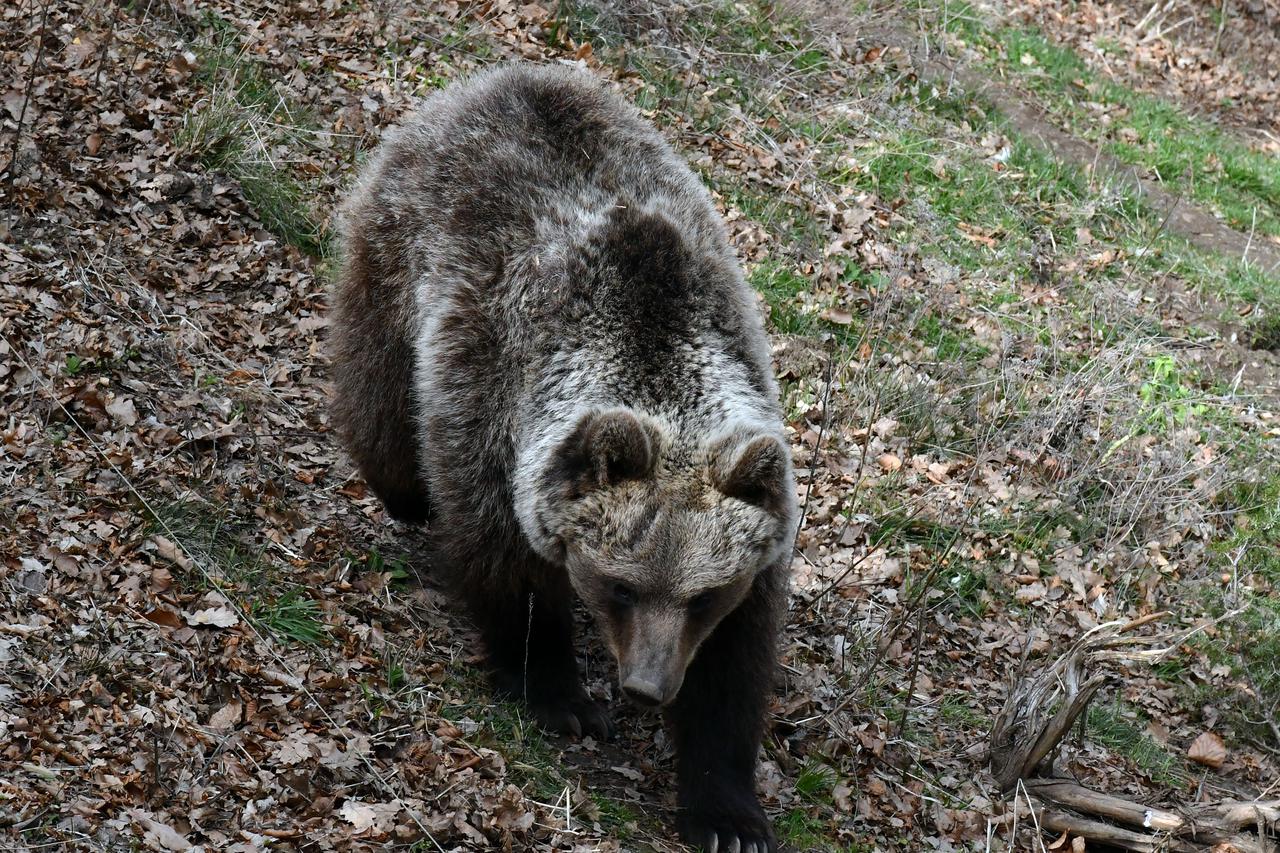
(643, 692)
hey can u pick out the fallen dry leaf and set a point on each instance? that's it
(358, 814)
(1208, 749)
(217, 617)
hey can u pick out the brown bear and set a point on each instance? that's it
(544, 347)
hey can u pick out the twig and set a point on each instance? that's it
(1244, 257)
(26, 95)
(817, 447)
(915, 672)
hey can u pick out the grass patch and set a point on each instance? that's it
(1194, 156)
(532, 760)
(955, 711)
(213, 539)
(505, 729)
(782, 288)
(236, 569)
(1119, 728)
(290, 615)
(245, 129)
(1251, 559)
(615, 817)
(1264, 333)
(801, 831)
(815, 783)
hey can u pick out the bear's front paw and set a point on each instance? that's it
(733, 824)
(575, 716)
(556, 704)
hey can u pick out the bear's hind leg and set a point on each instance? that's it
(528, 635)
(373, 374)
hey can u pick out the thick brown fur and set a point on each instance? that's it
(540, 326)
(373, 379)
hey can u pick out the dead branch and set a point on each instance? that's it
(1039, 711)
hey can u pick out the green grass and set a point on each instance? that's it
(245, 129)
(948, 345)
(968, 587)
(955, 711)
(616, 817)
(1264, 333)
(1250, 643)
(213, 538)
(898, 527)
(506, 729)
(290, 615)
(815, 783)
(532, 759)
(229, 564)
(801, 831)
(1194, 156)
(1121, 729)
(990, 213)
(782, 288)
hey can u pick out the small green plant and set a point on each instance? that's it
(802, 831)
(397, 679)
(1265, 333)
(954, 710)
(620, 820)
(1166, 395)
(291, 615)
(815, 782)
(968, 587)
(73, 365)
(396, 570)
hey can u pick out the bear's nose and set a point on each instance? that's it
(642, 692)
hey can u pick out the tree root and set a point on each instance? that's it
(1027, 734)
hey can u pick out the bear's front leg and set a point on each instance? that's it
(719, 719)
(527, 628)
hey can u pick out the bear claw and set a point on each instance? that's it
(577, 717)
(743, 830)
(563, 709)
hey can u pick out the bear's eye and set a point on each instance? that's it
(624, 595)
(700, 603)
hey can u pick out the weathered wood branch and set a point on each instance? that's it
(1039, 711)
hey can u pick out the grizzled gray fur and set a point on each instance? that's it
(544, 347)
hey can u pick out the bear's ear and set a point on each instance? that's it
(604, 448)
(754, 471)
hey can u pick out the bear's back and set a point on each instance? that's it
(482, 171)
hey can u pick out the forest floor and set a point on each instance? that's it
(1026, 398)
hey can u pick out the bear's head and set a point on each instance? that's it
(662, 540)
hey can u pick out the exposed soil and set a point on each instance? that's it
(1216, 59)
